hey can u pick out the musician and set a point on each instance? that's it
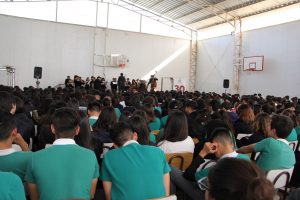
(153, 82)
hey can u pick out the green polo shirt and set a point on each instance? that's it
(152, 138)
(204, 173)
(118, 113)
(15, 162)
(274, 154)
(155, 125)
(92, 120)
(63, 172)
(292, 136)
(136, 172)
(11, 187)
(163, 121)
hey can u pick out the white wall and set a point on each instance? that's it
(279, 44)
(145, 52)
(64, 49)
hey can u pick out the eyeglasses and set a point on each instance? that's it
(203, 183)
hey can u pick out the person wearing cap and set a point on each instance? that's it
(220, 144)
(64, 170)
(133, 171)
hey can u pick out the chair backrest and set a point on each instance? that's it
(48, 145)
(280, 177)
(241, 135)
(208, 163)
(106, 148)
(172, 197)
(16, 147)
(155, 132)
(180, 160)
(293, 145)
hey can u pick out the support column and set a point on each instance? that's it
(238, 56)
(193, 61)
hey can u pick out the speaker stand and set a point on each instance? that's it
(225, 90)
(37, 83)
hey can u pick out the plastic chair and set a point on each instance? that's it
(241, 135)
(208, 163)
(106, 148)
(172, 197)
(180, 160)
(293, 145)
(156, 132)
(280, 178)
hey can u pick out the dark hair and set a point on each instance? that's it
(6, 101)
(106, 119)
(84, 136)
(65, 121)
(215, 104)
(176, 128)
(283, 125)
(291, 115)
(191, 104)
(140, 113)
(139, 125)
(7, 124)
(121, 133)
(235, 179)
(94, 106)
(107, 101)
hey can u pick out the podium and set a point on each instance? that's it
(10, 74)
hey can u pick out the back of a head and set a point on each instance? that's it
(65, 122)
(192, 104)
(291, 114)
(215, 104)
(262, 124)
(6, 101)
(107, 101)
(283, 125)
(213, 124)
(7, 124)
(246, 113)
(236, 179)
(175, 104)
(139, 125)
(106, 120)
(121, 133)
(221, 135)
(94, 107)
(176, 128)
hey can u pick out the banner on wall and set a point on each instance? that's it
(180, 84)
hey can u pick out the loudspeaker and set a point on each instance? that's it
(226, 83)
(37, 72)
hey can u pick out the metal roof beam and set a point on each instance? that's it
(254, 13)
(174, 8)
(227, 10)
(192, 12)
(156, 3)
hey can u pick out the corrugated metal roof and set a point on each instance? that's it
(205, 13)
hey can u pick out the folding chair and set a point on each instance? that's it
(180, 160)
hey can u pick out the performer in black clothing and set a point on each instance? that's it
(114, 85)
(97, 83)
(121, 83)
(68, 82)
(153, 82)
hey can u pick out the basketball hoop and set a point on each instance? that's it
(122, 66)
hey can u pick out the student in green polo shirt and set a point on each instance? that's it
(64, 170)
(11, 187)
(221, 145)
(93, 110)
(275, 152)
(10, 160)
(133, 171)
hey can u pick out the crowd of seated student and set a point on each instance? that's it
(166, 121)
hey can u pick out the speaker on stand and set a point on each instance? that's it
(37, 74)
(226, 84)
